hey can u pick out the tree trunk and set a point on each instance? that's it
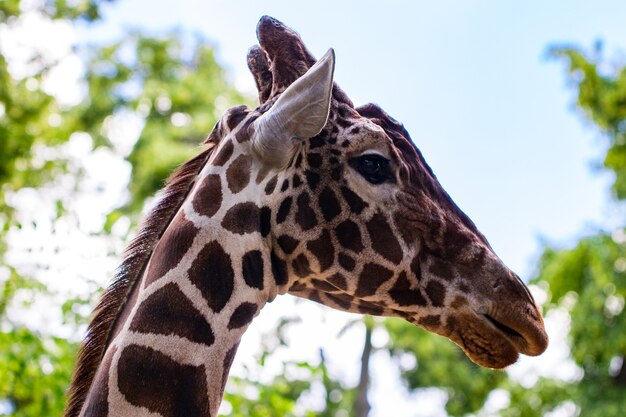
(362, 406)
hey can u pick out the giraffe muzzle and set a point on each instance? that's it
(522, 326)
(495, 334)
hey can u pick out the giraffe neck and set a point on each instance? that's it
(210, 274)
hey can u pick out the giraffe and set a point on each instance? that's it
(308, 195)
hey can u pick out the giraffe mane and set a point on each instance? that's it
(136, 257)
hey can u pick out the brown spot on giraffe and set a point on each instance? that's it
(329, 204)
(243, 135)
(150, 379)
(287, 244)
(271, 185)
(383, 239)
(235, 116)
(356, 203)
(416, 267)
(243, 314)
(212, 273)
(368, 308)
(298, 286)
(169, 312)
(312, 179)
(224, 154)
(372, 277)
(316, 142)
(228, 362)
(265, 220)
(342, 301)
(436, 292)
(305, 216)
(301, 266)
(238, 173)
(252, 268)
(458, 302)
(404, 295)
(349, 236)
(441, 269)
(262, 174)
(431, 321)
(208, 198)
(283, 210)
(346, 262)
(174, 244)
(297, 181)
(279, 269)
(320, 249)
(314, 160)
(339, 281)
(242, 218)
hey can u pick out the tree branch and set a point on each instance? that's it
(362, 406)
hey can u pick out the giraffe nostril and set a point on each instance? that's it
(533, 313)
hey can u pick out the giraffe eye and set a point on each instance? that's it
(374, 168)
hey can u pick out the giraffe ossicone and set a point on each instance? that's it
(309, 195)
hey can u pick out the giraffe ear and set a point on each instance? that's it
(260, 68)
(300, 112)
(288, 56)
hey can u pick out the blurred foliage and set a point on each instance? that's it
(35, 369)
(284, 394)
(287, 393)
(601, 89)
(88, 10)
(589, 280)
(440, 363)
(178, 95)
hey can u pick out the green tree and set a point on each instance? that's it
(439, 363)
(285, 393)
(34, 367)
(589, 280)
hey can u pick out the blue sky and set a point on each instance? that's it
(470, 80)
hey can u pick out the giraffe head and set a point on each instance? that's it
(356, 219)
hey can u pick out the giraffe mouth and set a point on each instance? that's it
(496, 340)
(508, 331)
(527, 335)
(484, 342)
